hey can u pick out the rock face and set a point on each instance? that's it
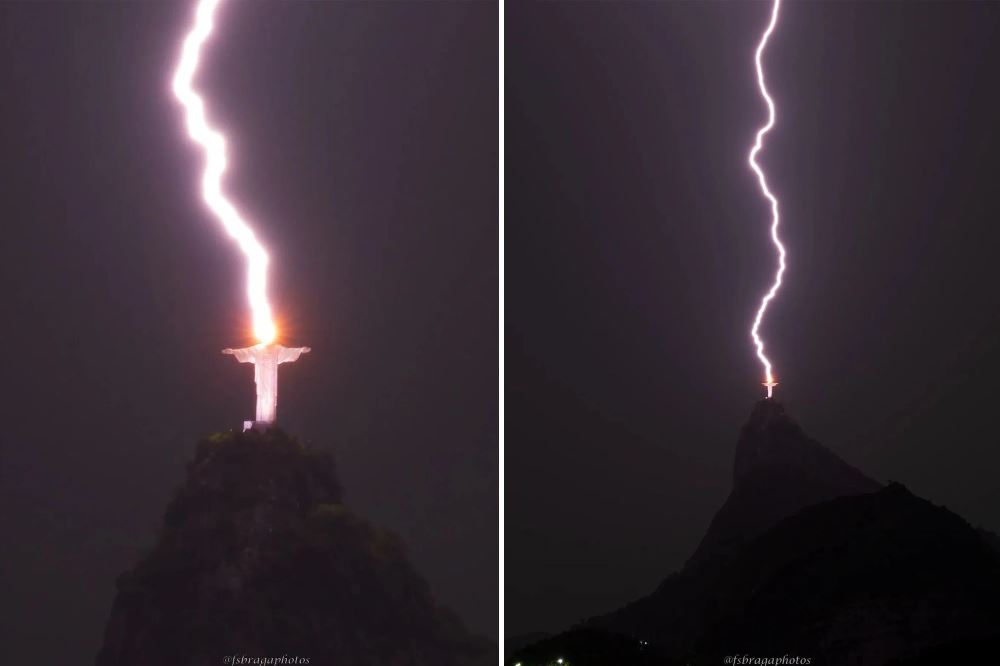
(258, 556)
(777, 470)
(857, 580)
(808, 557)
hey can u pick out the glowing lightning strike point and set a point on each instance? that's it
(213, 143)
(758, 144)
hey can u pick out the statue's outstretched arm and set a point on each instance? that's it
(289, 354)
(244, 355)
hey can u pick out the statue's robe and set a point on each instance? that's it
(265, 359)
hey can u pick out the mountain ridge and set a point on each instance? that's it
(806, 556)
(258, 555)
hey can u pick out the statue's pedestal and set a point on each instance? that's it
(259, 426)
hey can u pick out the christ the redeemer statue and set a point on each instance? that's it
(265, 359)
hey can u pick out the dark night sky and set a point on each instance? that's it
(363, 145)
(637, 249)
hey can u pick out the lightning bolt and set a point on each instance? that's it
(213, 144)
(775, 219)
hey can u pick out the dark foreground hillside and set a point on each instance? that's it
(810, 558)
(259, 556)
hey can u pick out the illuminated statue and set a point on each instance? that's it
(265, 359)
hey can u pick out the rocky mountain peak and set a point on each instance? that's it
(777, 470)
(259, 556)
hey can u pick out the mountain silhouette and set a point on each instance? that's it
(808, 557)
(777, 470)
(258, 556)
